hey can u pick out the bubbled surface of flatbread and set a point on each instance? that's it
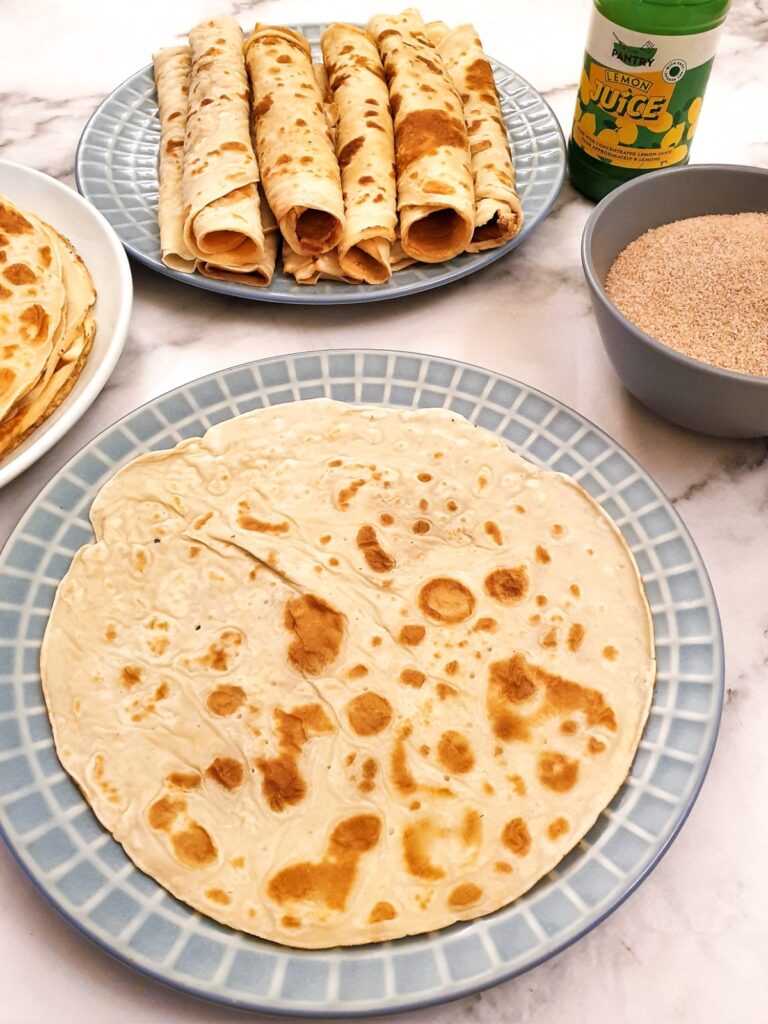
(337, 674)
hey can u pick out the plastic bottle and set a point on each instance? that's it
(646, 66)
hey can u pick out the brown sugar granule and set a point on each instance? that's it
(700, 286)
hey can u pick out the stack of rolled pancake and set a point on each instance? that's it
(391, 151)
(46, 322)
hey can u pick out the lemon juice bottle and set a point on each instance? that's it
(646, 66)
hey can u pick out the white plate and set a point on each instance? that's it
(103, 254)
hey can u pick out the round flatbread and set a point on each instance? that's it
(334, 675)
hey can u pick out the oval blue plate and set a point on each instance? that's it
(85, 873)
(116, 170)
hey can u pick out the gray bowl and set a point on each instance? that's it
(682, 390)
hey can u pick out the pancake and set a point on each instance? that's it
(296, 157)
(32, 302)
(336, 674)
(262, 273)
(366, 152)
(498, 211)
(435, 198)
(171, 69)
(222, 218)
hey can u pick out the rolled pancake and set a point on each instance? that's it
(335, 675)
(435, 199)
(365, 149)
(296, 157)
(261, 276)
(311, 269)
(222, 220)
(32, 302)
(171, 68)
(498, 211)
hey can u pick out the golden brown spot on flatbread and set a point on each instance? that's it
(333, 561)
(238, 862)
(348, 152)
(263, 106)
(542, 555)
(376, 641)
(369, 713)
(365, 180)
(248, 522)
(19, 273)
(507, 586)
(610, 653)
(184, 780)
(492, 529)
(444, 690)
(369, 769)
(290, 921)
(13, 222)
(557, 772)
(110, 633)
(412, 677)
(200, 522)
(503, 867)
(376, 557)
(557, 828)
(464, 895)
(424, 477)
(357, 672)
(225, 700)
(194, 550)
(140, 561)
(226, 771)
(421, 526)
(318, 629)
(575, 589)
(174, 144)
(330, 881)
(575, 636)
(386, 519)
(455, 752)
(282, 782)
(518, 784)
(412, 635)
(516, 837)
(164, 812)
(218, 896)
(194, 846)
(480, 147)
(416, 849)
(35, 322)
(479, 76)
(382, 911)
(219, 653)
(446, 600)
(452, 668)
(550, 638)
(45, 255)
(485, 625)
(595, 746)
(5, 293)
(401, 775)
(472, 828)
(131, 675)
(451, 505)
(568, 727)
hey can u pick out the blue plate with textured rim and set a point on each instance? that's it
(116, 170)
(87, 876)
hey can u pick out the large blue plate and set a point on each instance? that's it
(116, 169)
(85, 873)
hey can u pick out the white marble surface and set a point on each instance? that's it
(691, 946)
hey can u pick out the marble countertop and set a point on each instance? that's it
(691, 945)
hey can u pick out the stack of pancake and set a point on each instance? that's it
(46, 322)
(390, 152)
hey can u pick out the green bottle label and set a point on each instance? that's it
(640, 97)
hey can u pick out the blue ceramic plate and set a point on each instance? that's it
(116, 169)
(85, 873)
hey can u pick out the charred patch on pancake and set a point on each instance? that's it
(382, 911)
(516, 837)
(348, 152)
(493, 531)
(225, 700)
(192, 843)
(131, 675)
(218, 896)
(556, 828)
(556, 771)
(13, 222)
(412, 677)
(507, 586)
(35, 323)
(446, 600)
(479, 76)
(329, 881)
(411, 635)
(455, 753)
(226, 771)
(575, 636)
(423, 132)
(369, 713)
(282, 782)
(221, 654)
(318, 630)
(465, 895)
(184, 780)
(377, 559)
(542, 555)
